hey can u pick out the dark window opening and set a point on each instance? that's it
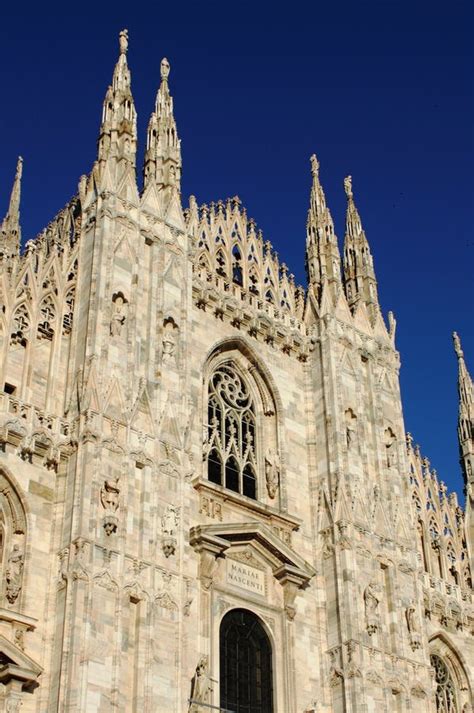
(246, 684)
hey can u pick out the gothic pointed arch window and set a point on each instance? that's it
(237, 273)
(46, 319)
(12, 542)
(242, 446)
(231, 432)
(246, 684)
(445, 695)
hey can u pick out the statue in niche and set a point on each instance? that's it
(351, 434)
(272, 473)
(172, 175)
(119, 306)
(170, 520)
(169, 526)
(371, 602)
(413, 626)
(344, 541)
(169, 340)
(109, 497)
(13, 574)
(390, 447)
(201, 687)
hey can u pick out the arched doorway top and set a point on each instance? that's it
(246, 663)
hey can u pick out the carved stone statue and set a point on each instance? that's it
(123, 41)
(118, 315)
(165, 68)
(390, 446)
(13, 574)
(272, 473)
(169, 526)
(351, 433)
(314, 165)
(344, 541)
(170, 520)
(109, 497)
(413, 625)
(169, 341)
(172, 175)
(201, 688)
(348, 186)
(371, 601)
(412, 620)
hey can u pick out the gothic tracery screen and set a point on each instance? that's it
(231, 432)
(445, 692)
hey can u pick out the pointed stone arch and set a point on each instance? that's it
(270, 451)
(440, 645)
(13, 534)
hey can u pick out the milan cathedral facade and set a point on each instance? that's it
(208, 498)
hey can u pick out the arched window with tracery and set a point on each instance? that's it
(12, 543)
(445, 695)
(231, 432)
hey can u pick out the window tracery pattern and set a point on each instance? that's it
(445, 696)
(21, 326)
(231, 432)
(46, 319)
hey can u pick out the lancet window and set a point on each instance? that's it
(68, 312)
(21, 326)
(445, 696)
(46, 319)
(231, 432)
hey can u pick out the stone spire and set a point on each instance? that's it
(359, 274)
(10, 230)
(118, 130)
(466, 417)
(323, 261)
(163, 152)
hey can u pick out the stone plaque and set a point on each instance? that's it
(243, 575)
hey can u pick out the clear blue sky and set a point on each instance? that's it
(381, 90)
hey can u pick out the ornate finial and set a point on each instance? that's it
(457, 345)
(165, 69)
(348, 186)
(19, 166)
(123, 41)
(314, 165)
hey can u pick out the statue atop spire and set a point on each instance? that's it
(323, 262)
(466, 438)
(164, 69)
(359, 274)
(163, 153)
(10, 229)
(118, 131)
(123, 41)
(348, 186)
(457, 346)
(314, 165)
